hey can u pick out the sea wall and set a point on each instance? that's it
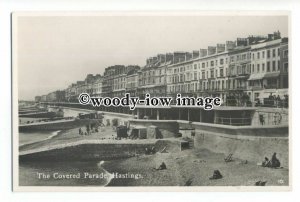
(274, 116)
(98, 151)
(256, 131)
(38, 115)
(248, 148)
(56, 125)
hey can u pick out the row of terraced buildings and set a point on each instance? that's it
(242, 72)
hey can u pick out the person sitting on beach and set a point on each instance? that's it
(274, 161)
(216, 175)
(162, 166)
(266, 162)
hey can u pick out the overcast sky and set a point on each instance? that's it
(54, 52)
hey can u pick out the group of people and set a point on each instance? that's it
(273, 163)
(276, 101)
(89, 130)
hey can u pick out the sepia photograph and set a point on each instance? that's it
(155, 101)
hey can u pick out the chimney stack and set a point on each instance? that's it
(188, 56)
(241, 42)
(230, 45)
(169, 57)
(195, 54)
(277, 35)
(211, 50)
(270, 37)
(203, 52)
(220, 48)
(179, 57)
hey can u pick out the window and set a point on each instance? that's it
(263, 54)
(274, 66)
(285, 67)
(258, 68)
(278, 65)
(253, 68)
(274, 53)
(232, 59)
(258, 55)
(278, 52)
(221, 72)
(268, 54)
(203, 74)
(195, 75)
(263, 67)
(268, 66)
(211, 63)
(221, 61)
(244, 57)
(203, 65)
(285, 54)
(211, 73)
(195, 66)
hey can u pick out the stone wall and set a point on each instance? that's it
(257, 131)
(99, 151)
(248, 148)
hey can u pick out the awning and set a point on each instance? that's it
(241, 77)
(148, 86)
(256, 76)
(271, 74)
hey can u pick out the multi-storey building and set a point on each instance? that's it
(71, 93)
(132, 81)
(213, 67)
(97, 85)
(107, 85)
(248, 69)
(80, 88)
(180, 75)
(119, 81)
(265, 68)
(284, 64)
(239, 71)
(114, 80)
(44, 98)
(56, 96)
(152, 77)
(37, 98)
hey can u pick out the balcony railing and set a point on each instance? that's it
(270, 86)
(241, 88)
(255, 87)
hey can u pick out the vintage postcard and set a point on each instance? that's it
(151, 101)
